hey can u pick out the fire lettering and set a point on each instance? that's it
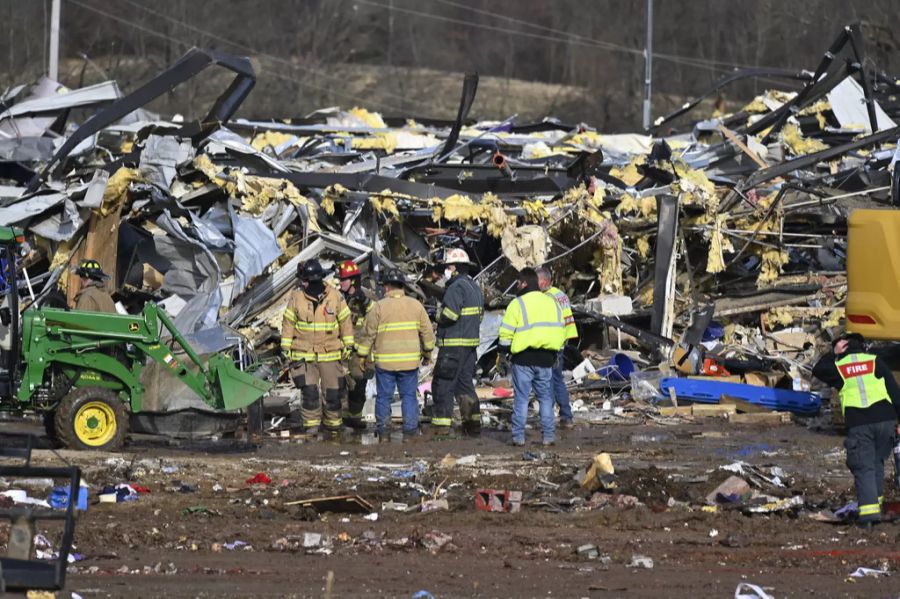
(857, 369)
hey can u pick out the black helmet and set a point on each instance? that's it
(311, 271)
(90, 269)
(394, 276)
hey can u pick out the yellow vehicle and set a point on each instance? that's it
(873, 288)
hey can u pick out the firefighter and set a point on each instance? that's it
(870, 401)
(397, 336)
(458, 325)
(533, 331)
(558, 384)
(360, 300)
(316, 332)
(93, 296)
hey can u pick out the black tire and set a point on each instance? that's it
(110, 410)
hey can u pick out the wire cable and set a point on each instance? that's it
(257, 52)
(185, 44)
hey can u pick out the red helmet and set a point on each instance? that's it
(348, 269)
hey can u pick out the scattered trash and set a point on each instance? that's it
(435, 541)
(371, 517)
(588, 551)
(599, 475)
(640, 561)
(745, 590)
(869, 572)
(344, 504)
(259, 479)
(733, 490)
(492, 500)
(435, 505)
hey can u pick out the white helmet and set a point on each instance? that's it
(456, 256)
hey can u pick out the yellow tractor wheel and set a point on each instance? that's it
(91, 418)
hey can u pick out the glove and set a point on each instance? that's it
(345, 353)
(503, 363)
(357, 367)
(426, 359)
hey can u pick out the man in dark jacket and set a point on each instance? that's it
(458, 336)
(870, 401)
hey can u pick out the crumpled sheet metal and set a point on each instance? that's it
(228, 209)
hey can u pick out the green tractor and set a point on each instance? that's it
(82, 370)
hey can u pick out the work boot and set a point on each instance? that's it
(565, 425)
(412, 436)
(548, 442)
(440, 433)
(471, 429)
(356, 424)
(517, 442)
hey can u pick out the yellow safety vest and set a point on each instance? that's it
(861, 387)
(533, 321)
(566, 305)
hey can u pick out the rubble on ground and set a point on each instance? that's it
(712, 249)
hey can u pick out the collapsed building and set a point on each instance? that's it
(713, 247)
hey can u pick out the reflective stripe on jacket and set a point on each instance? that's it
(566, 305)
(397, 333)
(533, 321)
(316, 332)
(462, 308)
(861, 387)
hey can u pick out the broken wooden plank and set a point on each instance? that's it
(346, 504)
(682, 411)
(744, 406)
(712, 410)
(768, 418)
(733, 138)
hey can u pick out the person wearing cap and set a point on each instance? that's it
(93, 296)
(558, 384)
(533, 331)
(458, 336)
(316, 330)
(870, 401)
(397, 336)
(360, 300)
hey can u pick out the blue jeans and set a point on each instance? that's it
(406, 382)
(524, 379)
(560, 392)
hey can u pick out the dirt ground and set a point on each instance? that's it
(155, 546)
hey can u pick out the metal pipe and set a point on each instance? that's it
(648, 65)
(502, 164)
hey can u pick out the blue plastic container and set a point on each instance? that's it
(59, 498)
(619, 368)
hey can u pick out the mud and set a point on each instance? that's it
(153, 547)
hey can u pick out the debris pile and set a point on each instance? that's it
(716, 248)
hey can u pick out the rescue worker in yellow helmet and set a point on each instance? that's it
(870, 401)
(316, 330)
(533, 331)
(397, 336)
(93, 296)
(558, 384)
(360, 300)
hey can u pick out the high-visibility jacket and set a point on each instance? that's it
(462, 308)
(861, 387)
(316, 331)
(533, 321)
(566, 305)
(397, 333)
